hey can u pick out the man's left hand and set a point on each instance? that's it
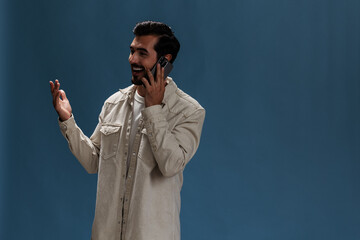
(154, 92)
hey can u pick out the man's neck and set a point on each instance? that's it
(141, 90)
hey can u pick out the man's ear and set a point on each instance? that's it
(168, 57)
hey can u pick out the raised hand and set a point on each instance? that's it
(154, 92)
(60, 101)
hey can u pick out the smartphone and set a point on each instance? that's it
(163, 63)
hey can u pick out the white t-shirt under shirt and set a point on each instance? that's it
(139, 104)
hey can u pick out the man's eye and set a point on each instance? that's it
(143, 54)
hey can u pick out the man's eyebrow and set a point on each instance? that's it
(139, 49)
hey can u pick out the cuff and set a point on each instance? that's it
(153, 113)
(67, 125)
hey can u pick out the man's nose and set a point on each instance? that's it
(132, 59)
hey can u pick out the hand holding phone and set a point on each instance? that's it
(164, 63)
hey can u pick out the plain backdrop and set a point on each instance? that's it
(279, 156)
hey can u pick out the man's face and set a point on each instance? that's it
(142, 55)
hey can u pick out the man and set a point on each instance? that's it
(146, 135)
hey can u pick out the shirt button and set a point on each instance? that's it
(133, 153)
(64, 127)
(129, 176)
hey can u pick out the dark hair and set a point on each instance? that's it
(167, 43)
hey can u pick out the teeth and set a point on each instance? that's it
(137, 69)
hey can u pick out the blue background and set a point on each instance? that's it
(280, 80)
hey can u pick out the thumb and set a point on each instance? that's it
(63, 95)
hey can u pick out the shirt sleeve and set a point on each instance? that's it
(85, 149)
(174, 148)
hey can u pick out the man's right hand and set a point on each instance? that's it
(60, 101)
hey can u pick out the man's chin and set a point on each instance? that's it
(136, 81)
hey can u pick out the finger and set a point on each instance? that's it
(57, 85)
(158, 73)
(62, 94)
(54, 93)
(56, 99)
(145, 82)
(51, 86)
(151, 77)
(162, 79)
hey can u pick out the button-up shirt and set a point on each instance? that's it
(145, 203)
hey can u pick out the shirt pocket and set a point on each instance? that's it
(110, 135)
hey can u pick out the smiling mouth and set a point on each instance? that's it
(137, 69)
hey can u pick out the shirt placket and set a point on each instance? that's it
(130, 176)
(128, 173)
(123, 200)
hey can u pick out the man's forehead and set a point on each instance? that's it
(146, 41)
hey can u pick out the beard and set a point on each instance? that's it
(136, 81)
(137, 75)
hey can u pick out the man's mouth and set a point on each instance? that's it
(137, 69)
